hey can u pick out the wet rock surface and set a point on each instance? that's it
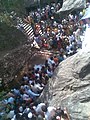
(70, 86)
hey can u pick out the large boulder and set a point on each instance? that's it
(12, 64)
(70, 86)
(15, 50)
(72, 5)
(10, 37)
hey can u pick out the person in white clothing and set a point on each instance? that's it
(50, 113)
(40, 109)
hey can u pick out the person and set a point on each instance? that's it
(49, 72)
(40, 109)
(10, 114)
(51, 61)
(11, 100)
(56, 60)
(36, 88)
(32, 94)
(60, 58)
(26, 97)
(62, 114)
(50, 113)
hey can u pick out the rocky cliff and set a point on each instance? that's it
(70, 86)
(12, 63)
(73, 4)
(70, 6)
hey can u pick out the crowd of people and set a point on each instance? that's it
(51, 32)
(21, 102)
(62, 36)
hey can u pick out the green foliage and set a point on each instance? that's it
(10, 37)
(5, 17)
(2, 94)
(12, 5)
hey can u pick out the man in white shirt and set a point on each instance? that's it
(50, 113)
(39, 110)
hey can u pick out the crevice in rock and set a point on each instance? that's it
(85, 100)
(85, 71)
(75, 88)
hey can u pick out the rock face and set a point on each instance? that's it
(12, 63)
(10, 38)
(70, 86)
(73, 4)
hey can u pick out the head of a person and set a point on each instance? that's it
(51, 58)
(44, 108)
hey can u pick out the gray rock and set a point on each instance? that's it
(12, 64)
(73, 4)
(70, 86)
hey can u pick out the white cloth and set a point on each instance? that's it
(26, 78)
(68, 48)
(86, 42)
(21, 109)
(25, 97)
(38, 66)
(10, 100)
(50, 62)
(50, 73)
(30, 115)
(14, 117)
(26, 110)
(71, 38)
(16, 91)
(26, 87)
(39, 108)
(50, 113)
(32, 94)
(37, 75)
(36, 88)
(10, 114)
